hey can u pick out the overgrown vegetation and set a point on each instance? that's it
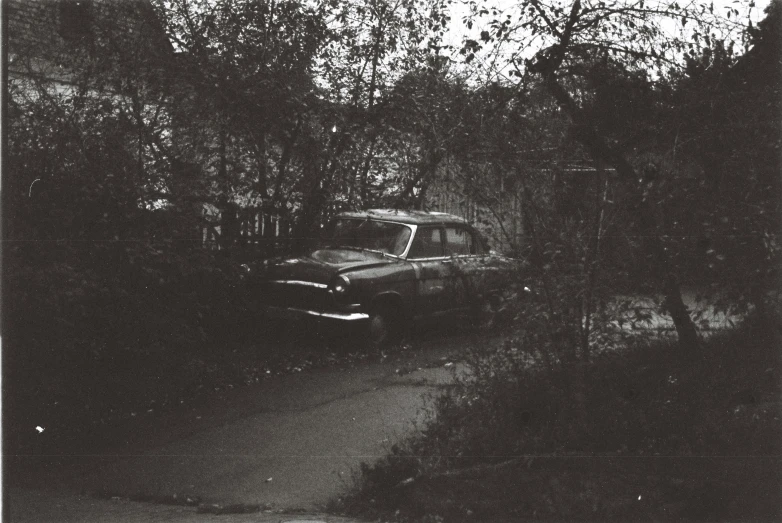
(647, 433)
(142, 167)
(573, 420)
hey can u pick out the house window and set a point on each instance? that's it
(76, 19)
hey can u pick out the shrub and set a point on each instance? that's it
(521, 439)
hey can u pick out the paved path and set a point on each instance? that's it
(47, 507)
(290, 444)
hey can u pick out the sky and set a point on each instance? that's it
(457, 30)
(459, 9)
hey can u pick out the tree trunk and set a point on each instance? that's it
(364, 174)
(660, 261)
(262, 183)
(282, 167)
(593, 266)
(426, 170)
(316, 194)
(227, 209)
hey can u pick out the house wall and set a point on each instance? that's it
(55, 39)
(491, 198)
(490, 202)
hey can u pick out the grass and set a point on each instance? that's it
(645, 434)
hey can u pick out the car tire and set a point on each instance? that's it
(385, 326)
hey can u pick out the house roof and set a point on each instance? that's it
(405, 216)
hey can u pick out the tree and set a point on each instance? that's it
(563, 41)
(246, 89)
(290, 95)
(725, 122)
(94, 241)
(429, 117)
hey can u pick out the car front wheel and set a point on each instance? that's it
(384, 326)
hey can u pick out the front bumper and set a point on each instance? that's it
(296, 299)
(295, 313)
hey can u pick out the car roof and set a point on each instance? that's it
(405, 216)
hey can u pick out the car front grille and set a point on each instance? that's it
(298, 295)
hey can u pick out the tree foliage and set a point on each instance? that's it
(118, 162)
(572, 47)
(726, 115)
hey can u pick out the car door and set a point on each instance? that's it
(433, 273)
(469, 270)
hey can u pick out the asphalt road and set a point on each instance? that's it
(289, 444)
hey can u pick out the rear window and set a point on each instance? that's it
(460, 241)
(428, 243)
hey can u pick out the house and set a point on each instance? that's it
(77, 70)
(55, 40)
(491, 196)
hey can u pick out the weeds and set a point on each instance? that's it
(640, 434)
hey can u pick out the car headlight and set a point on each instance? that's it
(340, 285)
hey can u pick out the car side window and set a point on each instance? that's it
(428, 243)
(460, 242)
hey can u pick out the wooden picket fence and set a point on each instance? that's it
(262, 233)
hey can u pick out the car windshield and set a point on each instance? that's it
(385, 237)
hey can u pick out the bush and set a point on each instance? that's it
(519, 439)
(96, 330)
(111, 301)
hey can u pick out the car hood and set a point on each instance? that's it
(323, 264)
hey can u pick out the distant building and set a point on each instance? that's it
(491, 197)
(104, 56)
(54, 40)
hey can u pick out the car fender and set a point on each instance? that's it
(391, 281)
(393, 297)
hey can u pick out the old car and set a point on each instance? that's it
(386, 269)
